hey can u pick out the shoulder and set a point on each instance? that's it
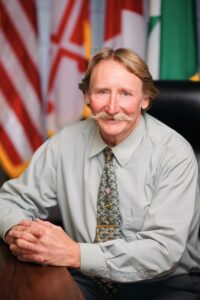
(160, 133)
(77, 129)
(167, 140)
(66, 139)
(170, 152)
(78, 134)
(74, 138)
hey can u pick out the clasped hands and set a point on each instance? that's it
(44, 243)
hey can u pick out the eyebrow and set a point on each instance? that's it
(119, 88)
(99, 88)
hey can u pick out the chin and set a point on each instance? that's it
(111, 124)
(112, 128)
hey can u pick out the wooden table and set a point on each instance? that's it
(26, 281)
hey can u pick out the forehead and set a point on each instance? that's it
(109, 65)
(113, 72)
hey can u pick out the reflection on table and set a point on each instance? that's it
(21, 281)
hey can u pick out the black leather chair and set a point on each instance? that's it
(178, 106)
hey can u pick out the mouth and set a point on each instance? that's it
(111, 120)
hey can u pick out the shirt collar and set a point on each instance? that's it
(124, 150)
(98, 143)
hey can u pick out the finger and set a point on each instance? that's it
(22, 259)
(25, 235)
(18, 227)
(29, 224)
(46, 226)
(26, 246)
(31, 258)
(9, 236)
(19, 251)
(26, 222)
(44, 223)
(33, 230)
(9, 239)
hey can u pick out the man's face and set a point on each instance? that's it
(116, 93)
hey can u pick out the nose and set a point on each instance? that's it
(112, 106)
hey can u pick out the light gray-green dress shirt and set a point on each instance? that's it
(157, 178)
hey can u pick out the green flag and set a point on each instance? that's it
(153, 42)
(178, 40)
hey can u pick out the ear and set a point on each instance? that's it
(145, 102)
(87, 99)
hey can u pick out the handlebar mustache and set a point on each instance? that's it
(117, 117)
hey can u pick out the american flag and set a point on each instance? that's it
(21, 126)
(70, 47)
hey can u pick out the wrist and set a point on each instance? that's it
(77, 260)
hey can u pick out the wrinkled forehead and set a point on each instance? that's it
(113, 72)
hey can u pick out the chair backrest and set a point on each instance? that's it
(178, 105)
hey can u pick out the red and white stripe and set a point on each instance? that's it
(68, 62)
(21, 126)
(125, 25)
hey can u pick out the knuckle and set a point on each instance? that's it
(22, 235)
(59, 228)
(18, 242)
(44, 260)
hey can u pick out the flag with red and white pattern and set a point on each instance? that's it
(125, 25)
(70, 36)
(21, 126)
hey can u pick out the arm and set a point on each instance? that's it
(29, 198)
(33, 193)
(169, 221)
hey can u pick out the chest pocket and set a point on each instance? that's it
(133, 220)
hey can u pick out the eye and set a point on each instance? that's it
(102, 92)
(125, 93)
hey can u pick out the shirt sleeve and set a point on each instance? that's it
(161, 243)
(33, 193)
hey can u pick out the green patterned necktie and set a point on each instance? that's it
(108, 215)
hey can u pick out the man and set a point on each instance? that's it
(148, 246)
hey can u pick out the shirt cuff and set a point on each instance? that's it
(92, 260)
(9, 222)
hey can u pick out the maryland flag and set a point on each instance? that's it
(70, 50)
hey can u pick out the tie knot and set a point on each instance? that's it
(108, 154)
